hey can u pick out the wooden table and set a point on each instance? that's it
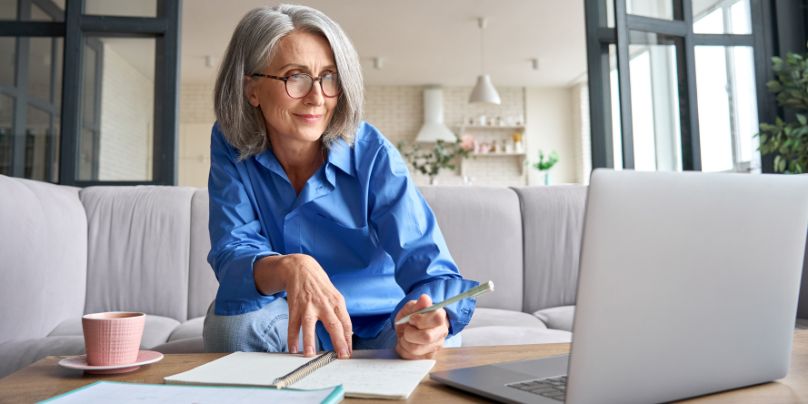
(45, 378)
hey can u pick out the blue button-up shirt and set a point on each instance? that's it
(360, 216)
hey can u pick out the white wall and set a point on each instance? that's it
(550, 126)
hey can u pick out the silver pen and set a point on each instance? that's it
(476, 291)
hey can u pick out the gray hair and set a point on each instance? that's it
(252, 45)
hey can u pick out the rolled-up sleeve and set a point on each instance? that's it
(237, 239)
(409, 232)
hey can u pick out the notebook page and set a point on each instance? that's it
(135, 393)
(241, 369)
(387, 378)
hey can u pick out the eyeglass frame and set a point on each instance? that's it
(319, 80)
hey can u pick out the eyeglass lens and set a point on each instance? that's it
(299, 85)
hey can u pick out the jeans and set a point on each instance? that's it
(265, 330)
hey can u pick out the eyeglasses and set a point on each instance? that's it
(299, 85)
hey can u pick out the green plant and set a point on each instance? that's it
(544, 165)
(788, 139)
(430, 161)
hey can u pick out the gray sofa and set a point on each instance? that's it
(67, 251)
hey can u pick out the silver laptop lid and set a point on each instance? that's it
(688, 284)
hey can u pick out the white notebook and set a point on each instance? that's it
(366, 378)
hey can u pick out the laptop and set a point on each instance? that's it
(688, 285)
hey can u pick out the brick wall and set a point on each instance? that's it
(127, 107)
(398, 112)
(196, 121)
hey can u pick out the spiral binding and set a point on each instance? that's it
(304, 370)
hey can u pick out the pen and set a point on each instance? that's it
(476, 291)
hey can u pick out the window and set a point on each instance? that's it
(677, 88)
(117, 123)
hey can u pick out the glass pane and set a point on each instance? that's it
(740, 18)
(126, 8)
(58, 58)
(651, 8)
(37, 14)
(117, 109)
(7, 68)
(8, 9)
(40, 158)
(655, 103)
(89, 96)
(6, 114)
(727, 108)
(722, 17)
(608, 5)
(617, 132)
(40, 56)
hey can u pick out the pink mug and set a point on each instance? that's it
(112, 338)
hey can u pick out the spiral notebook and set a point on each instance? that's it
(359, 377)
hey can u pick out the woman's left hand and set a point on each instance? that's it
(422, 337)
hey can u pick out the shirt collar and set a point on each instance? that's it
(269, 161)
(339, 155)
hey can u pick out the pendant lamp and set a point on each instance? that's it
(484, 90)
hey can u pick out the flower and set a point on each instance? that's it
(467, 142)
(442, 155)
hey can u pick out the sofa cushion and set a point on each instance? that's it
(508, 335)
(202, 283)
(181, 346)
(139, 250)
(155, 332)
(43, 257)
(485, 317)
(18, 354)
(552, 218)
(483, 229)
(559, 318)
(189, 329)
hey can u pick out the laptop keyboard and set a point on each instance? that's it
(552, 387)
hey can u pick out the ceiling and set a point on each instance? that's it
(421, 41)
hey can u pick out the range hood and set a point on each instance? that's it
(433, 128)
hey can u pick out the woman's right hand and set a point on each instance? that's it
(311, 297)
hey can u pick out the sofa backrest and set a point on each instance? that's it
(553, 219)
(202, 280)
(43, 257)
(482, 226)
(139, 248)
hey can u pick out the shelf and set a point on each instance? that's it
(496, 154)
(520, 160)
(490, 127)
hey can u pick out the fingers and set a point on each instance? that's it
(335, 331)
(425, 337)
(347, 327)
(408, 350)
(432, 319)
(293, 332)
(309, 336)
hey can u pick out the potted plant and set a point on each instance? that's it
(787, 139)
(430, 161)
(544, 165)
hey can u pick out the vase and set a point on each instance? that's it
(546, 178)
(433, 180)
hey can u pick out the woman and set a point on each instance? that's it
(316, 227)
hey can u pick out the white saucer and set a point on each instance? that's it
(80, 363)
